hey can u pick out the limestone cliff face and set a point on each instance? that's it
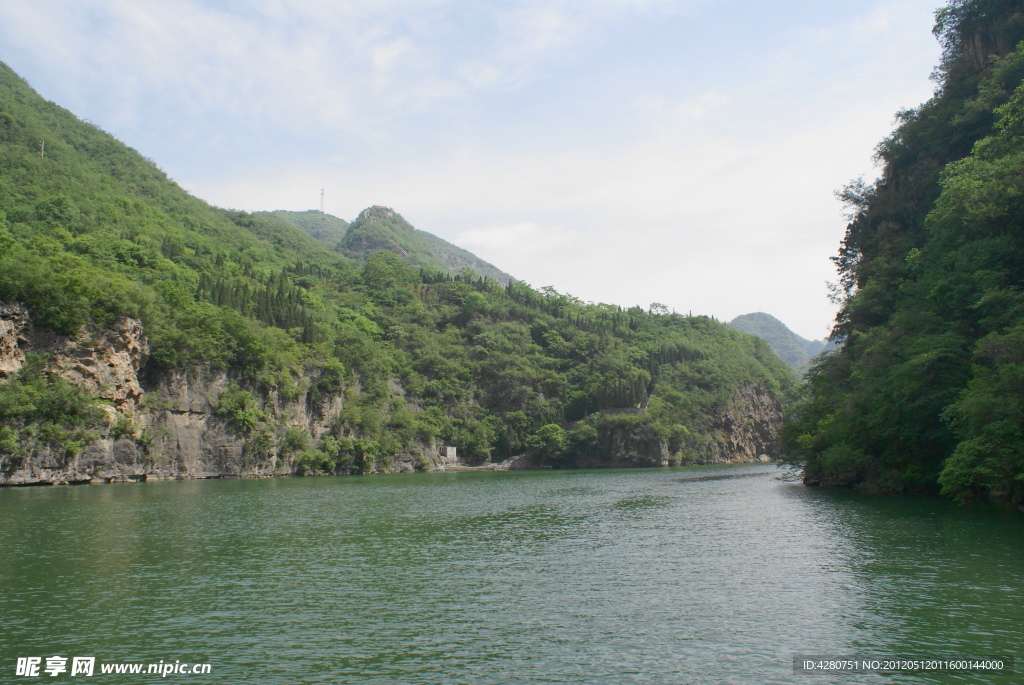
(168, 426)
(13, 319)
(624, 444)
(747, 430)
(106, 364)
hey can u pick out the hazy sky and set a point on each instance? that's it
(624, 151)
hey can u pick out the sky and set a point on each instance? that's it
(684, 152)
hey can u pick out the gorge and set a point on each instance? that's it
(145, 334)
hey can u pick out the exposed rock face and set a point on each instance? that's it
(105, 364)
(176, 433)
(624, 445)
(13, 319)
(187, 438)
(380, 213)
(170, 428)
(746, 431)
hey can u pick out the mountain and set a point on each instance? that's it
(381, 228)
(791, 348)
(145, 334)
(926, 392)
(324, 228)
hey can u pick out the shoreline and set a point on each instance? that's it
(512, 464)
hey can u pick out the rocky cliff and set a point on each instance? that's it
(746, 430)
(173, 424)
(167, 426)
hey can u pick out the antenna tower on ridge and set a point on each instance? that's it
(321, 200)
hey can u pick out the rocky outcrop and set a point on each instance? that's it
(171, 426)
(13, 320)
(168, 427)
(105, 364)
(382, 214)
(623, 443)
(747, 430)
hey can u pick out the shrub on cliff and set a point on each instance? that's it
(43, 411)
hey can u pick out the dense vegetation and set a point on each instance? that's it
(39, 409)
(927, 391)
(91, 232)
(325, 229)
(791, 348)
(381, 228)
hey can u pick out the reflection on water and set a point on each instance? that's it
(694, 575)
(700, 477)
(641, 502)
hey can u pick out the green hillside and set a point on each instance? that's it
(381, 228)
(325, 229)
(791, 348)
(927, 391)
(93, 231)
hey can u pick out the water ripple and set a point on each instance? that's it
(697, 575)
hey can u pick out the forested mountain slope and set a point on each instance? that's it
(326, 229)
(381, 228)
(144, 333)
(927, 391)
(791, 348)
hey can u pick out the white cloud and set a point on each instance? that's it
(719, 224)
(527, 238)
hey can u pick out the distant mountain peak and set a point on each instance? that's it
(381, 214)
(382, 228)
(793, 349)
(326, 229)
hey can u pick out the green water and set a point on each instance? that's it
(694, 575)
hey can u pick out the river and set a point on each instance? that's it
(687, 575)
